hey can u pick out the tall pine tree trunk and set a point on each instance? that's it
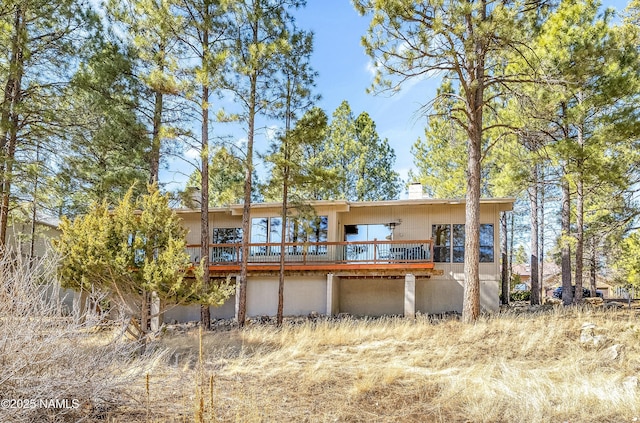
(34, 209)
(9, 119)
(475, 109)
(154, 155)
(504, 262)
(285, 201)
(246, 214)
(246, 209)
(285, 193)
(541, 249)
(593, 263)
(471, 299)
(205, 312)
(567, 295)
(579, 218)
(533, 207)
(565, 246)
(512, 225)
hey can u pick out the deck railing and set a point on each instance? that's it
(349, 252)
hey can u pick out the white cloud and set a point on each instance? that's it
(241, 143)
(192, 153)
(372, 68)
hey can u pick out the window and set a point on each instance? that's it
(227, 236)
(486, 243)
(366, 232)
(269, 230)
(449, 243)
(259, 230)
(441, 235)
(314, 230)
(458, 243)
(266, 230)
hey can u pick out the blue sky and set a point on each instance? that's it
(345, 74)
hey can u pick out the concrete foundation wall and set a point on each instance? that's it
(191, 313)
(489, 295)
(438, 295)
(372, 297)
(442, 295)
(302, 295)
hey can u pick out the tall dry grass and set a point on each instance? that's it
(55, 364)
(505, 368)
(549, 366)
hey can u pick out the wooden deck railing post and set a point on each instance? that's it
(375, 247)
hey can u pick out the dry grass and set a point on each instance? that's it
(57, 357)
(505, 368)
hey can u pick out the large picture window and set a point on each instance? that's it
(227, 236)
(269, 230)
(308, 230)
(449, 240)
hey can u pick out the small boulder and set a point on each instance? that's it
(588, 336)
(611, 353)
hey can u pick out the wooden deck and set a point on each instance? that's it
(384, 257)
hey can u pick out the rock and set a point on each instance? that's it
(313, 315)
(594, 301)
(588, 336)
(614, 305)
(611, 353)
(552, 301)
(630, 383)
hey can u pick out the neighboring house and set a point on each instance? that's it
(362, 258)
(524, 271)
(20, 239)
(33, 242)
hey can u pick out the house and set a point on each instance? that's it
(362, 258)
(31, 239)
(524, 272)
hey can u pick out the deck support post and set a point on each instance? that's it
(410, 296)
(155, 312)
(333, 295)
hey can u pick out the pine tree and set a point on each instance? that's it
(106, 144)
(42, 41)
(408, 39)
(362, 161)
(153, 29)
(206, 32)
(260, 37)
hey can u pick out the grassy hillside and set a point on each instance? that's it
(558, 365)
(507, 368)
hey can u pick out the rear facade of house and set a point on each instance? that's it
(361, 258)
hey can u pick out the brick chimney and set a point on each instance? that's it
(415, 191)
